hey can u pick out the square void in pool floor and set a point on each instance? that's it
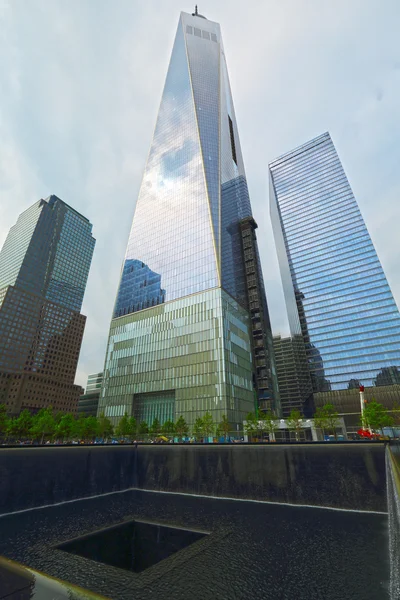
(134, 545)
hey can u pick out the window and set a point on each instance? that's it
(232, 140)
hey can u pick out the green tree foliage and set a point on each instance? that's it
(64, 428)
(270, 421)
(3, 419)
(224, 427)
(168, 428)
(181, 428)
(331, 417)
(260, 425)
(326, 418)
(208, 425)
(197, 428)
(143, 427)
(43, 424)
(22, 424)
(320, 420)
(11, 428)
(132, 426)
(155, 428)
(251, 425)
(123, 428)
(376, 416)
(294, 423)
(77, 429)
(105, 428)
(58, 416)
(88, 428)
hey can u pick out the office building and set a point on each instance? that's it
(44, 265)
(190, 331)
(336, 292)
(89, 401)
(94, 383)
(294, 381)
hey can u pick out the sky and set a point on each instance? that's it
(80, 86)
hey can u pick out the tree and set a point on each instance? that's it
(58, 416)
(260, 425)
(376, 416)
(43, 424)
(320, 420)
(123, 428)
(143, 427)
(155, 428)
(271, 424)
(105, 428)
(224, 427)
(208, 425)
(168, 428)
(181, 428)
(77, 428)
(89, 427)
(197, 428)
(326, 417)
(132, 426)
(3, 419)
(65, 427)
(332, 417)
(294, 423)
(11, 427)
(251, 425)
(22, 424)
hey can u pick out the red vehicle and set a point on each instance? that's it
(364, 433)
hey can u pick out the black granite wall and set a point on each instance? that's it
(338, 475)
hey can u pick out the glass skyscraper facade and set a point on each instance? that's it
(94, 382)
(295, 389)
(48, 252)
(181, 339)
(44, 265)
(336, 292)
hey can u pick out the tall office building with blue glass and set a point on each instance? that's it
(336, 292)
(190, 331)
(44, 265)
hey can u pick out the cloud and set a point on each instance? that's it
(80, 88)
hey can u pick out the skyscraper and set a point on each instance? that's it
(336, 292)
(190, 331)
(294, 381)
(89, 401)
(44, 265)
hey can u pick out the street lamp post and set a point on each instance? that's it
(362, 402)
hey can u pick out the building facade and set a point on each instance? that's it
(294, 381)
(44, 265)
(336, 292)
(183, 333)
(94, 383)
(88, 403)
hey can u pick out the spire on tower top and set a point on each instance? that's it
(196, 13)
